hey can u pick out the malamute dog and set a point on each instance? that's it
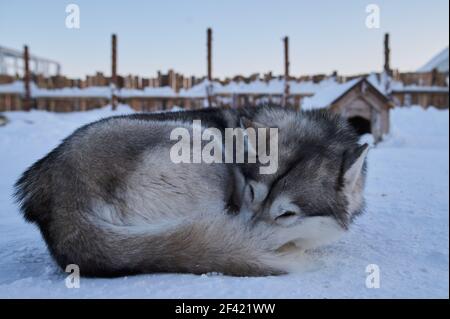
(110, 200)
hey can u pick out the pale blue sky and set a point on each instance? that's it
(325, 35)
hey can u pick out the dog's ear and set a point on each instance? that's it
(353, 165)
(251, 130)
(246, 123)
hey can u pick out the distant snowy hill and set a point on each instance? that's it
(439, 62)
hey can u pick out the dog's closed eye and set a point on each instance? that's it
(286, 214)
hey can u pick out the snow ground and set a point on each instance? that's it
(405, 230)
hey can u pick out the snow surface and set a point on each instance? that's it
(405, 230)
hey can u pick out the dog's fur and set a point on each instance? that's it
(318, 188)
(110, 200)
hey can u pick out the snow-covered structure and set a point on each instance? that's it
(149, 99)
(423, 95)
(363, 103)
(428, 86)
(70, 99)
(12, 95)
(439, 62)
(10, 63)
(238, 94)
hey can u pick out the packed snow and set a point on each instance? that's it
(404, 231)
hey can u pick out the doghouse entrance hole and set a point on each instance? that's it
(360, 124)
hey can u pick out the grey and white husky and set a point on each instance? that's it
(110, 200)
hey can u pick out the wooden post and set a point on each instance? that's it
(209, 88)
(434, 76)
(387, 64)
(114, 72)
(387, 53)
(26, 79)
(286, 72)
(209, 56)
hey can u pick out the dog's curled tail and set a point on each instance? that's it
(219, 243)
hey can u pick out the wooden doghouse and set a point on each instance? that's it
(365, 107)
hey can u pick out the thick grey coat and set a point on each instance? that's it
(110, 200)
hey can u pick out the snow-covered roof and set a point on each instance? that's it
(383, 83)
(92, 91)
(400, 87)
(164, 91)
(439, 62)
(199, 90)
(320, 94)
(272, 87)
(105, 92)
(16, 87)
(328, 95)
